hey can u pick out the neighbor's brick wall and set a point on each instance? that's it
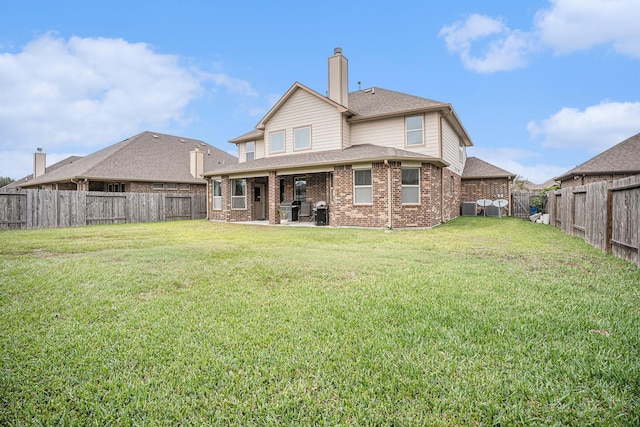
(488, 188)
(147, 187)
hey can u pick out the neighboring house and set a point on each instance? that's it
(378, 158)
(482, 180)
(620, 161)
(144, 163)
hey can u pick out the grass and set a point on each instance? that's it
(477, 322)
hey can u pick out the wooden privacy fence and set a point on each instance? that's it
(607, 217)
(56, 208)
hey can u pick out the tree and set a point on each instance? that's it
(4, 181)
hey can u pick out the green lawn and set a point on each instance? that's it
(477, 322)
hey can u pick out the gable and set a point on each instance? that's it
(303, 109)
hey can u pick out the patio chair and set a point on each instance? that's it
(305, 211)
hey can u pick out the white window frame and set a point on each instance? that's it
(284, 142)
(185, 187)
(297, 135)
(172, 186)
(360, 190)
(252, 151)
(235, 198)
(217, 199)
(158, 186)
(414, 131)
(414, 188)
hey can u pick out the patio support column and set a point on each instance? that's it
(274, 198)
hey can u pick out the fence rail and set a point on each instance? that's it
(20, 209)
(607, 217)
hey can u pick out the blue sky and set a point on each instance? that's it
(541, 86)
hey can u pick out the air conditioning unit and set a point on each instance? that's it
(469, 209)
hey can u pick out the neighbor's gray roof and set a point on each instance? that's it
(357, 153)
(476, 168)
(148, 156)
(27, 179)
(623, 158)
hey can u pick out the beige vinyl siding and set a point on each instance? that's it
(346, 133)
(260, 149)
(242, 152)
(303, 109)
(451, 148)
(384, 132)
(432, 141)
(390, 132)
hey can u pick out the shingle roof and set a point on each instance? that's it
(476, 168)
(147, 156)
(376, 101)
(623, 158)
(356, 153)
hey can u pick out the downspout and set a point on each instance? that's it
(73, 181)
(390, 197)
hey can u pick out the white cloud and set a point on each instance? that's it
(506, 50)
(79, 94)
(566, 26)
(593, 129)
(573, 25)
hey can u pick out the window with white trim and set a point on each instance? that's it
(276, 142)
(217, 194)
(158, 186)
(362, 187)
(238, 194)
(410, 186)
(172, 186)
(302, 138)
(250, 152)
(184, 186)
(414, 126)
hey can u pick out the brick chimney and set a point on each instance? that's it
(196, 163)
(339, 78)
(39, 163)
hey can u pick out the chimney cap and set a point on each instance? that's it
(337, 51)
(39, 149)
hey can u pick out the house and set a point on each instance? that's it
(376, 157)
(144, 163)
(482, 180)
(620, 161)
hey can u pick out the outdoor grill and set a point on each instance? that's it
(320, 210)
(291, 208)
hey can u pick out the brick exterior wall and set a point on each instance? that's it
(440, 201)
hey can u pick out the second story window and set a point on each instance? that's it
(302, 138)
(276, 142)
(250, 148)
(414, 126)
